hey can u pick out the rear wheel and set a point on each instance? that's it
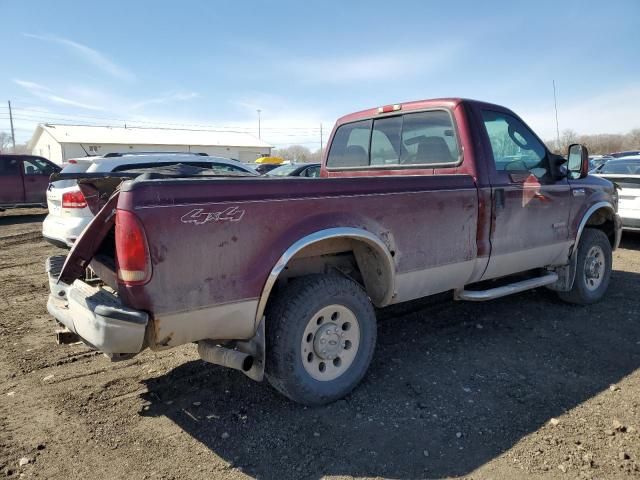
(321, 334)
(593, 269)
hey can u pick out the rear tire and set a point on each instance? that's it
(321, 335)
(593, 269)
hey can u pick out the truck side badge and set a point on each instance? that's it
(199, 217)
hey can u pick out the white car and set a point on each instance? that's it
(68, 211)
(625, 172)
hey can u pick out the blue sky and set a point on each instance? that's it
(210, 63)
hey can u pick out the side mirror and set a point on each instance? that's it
(578, 163)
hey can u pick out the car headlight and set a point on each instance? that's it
(614, 197)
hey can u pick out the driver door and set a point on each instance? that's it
(530, 209)
(36, 173)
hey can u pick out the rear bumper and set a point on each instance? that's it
(63, 231)
(94, 314)
(630, 220)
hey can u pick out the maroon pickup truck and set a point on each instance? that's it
(24, 180)
(279, 277)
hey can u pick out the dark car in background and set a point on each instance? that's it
(310, 170)
(624, 172)
(24, 180)
(265, 167)
(624, 154)
(597, 161)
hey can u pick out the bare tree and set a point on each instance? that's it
(5, 142)
(598, 144)
(632, 140)
(297, 154)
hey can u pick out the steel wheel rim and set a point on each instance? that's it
(594, 268)
(330, 342)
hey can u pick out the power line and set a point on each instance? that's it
(217, 129)
(54, 115)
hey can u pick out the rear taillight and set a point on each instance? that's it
(73, 199)
(132, 251)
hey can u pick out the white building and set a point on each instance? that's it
(59, 142)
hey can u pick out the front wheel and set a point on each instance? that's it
(321, 334)
(593, 269)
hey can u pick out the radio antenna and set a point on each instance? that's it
(555, 104)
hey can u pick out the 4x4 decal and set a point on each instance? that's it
(199, 217)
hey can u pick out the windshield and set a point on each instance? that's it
(625, 167)
(282, 171)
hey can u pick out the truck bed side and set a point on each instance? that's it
(214, 243)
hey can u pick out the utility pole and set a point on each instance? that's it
(259, 133)
(13, 135)
(555, 104)
(320, 139)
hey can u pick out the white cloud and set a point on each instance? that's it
(45, 93)
(88, 54)
(377, 66)
(161, 100)
(616, 111)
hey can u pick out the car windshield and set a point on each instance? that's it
(625, 167)
(282, 171)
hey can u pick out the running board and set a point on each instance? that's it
(517, 287)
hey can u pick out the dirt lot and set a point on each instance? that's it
(523, 387)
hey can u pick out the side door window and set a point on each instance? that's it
(34, 166)
(515, 147)
(312, 172)
(350, 145)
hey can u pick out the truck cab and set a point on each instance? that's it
(24, 180)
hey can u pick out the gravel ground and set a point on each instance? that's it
(522, 387)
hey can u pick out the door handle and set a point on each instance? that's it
(498, 195)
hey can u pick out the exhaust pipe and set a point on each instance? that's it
(212, 353)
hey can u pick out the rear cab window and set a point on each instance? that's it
(350, 146)
(414, 139)
(77, 167)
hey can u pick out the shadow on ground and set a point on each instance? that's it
(18, 216)
(630, 240)
(452, 386)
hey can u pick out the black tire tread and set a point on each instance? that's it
(578, 294)
(289, 308)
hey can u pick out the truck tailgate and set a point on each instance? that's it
(89, 241)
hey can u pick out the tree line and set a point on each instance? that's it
(599, 143)
(6, 144)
